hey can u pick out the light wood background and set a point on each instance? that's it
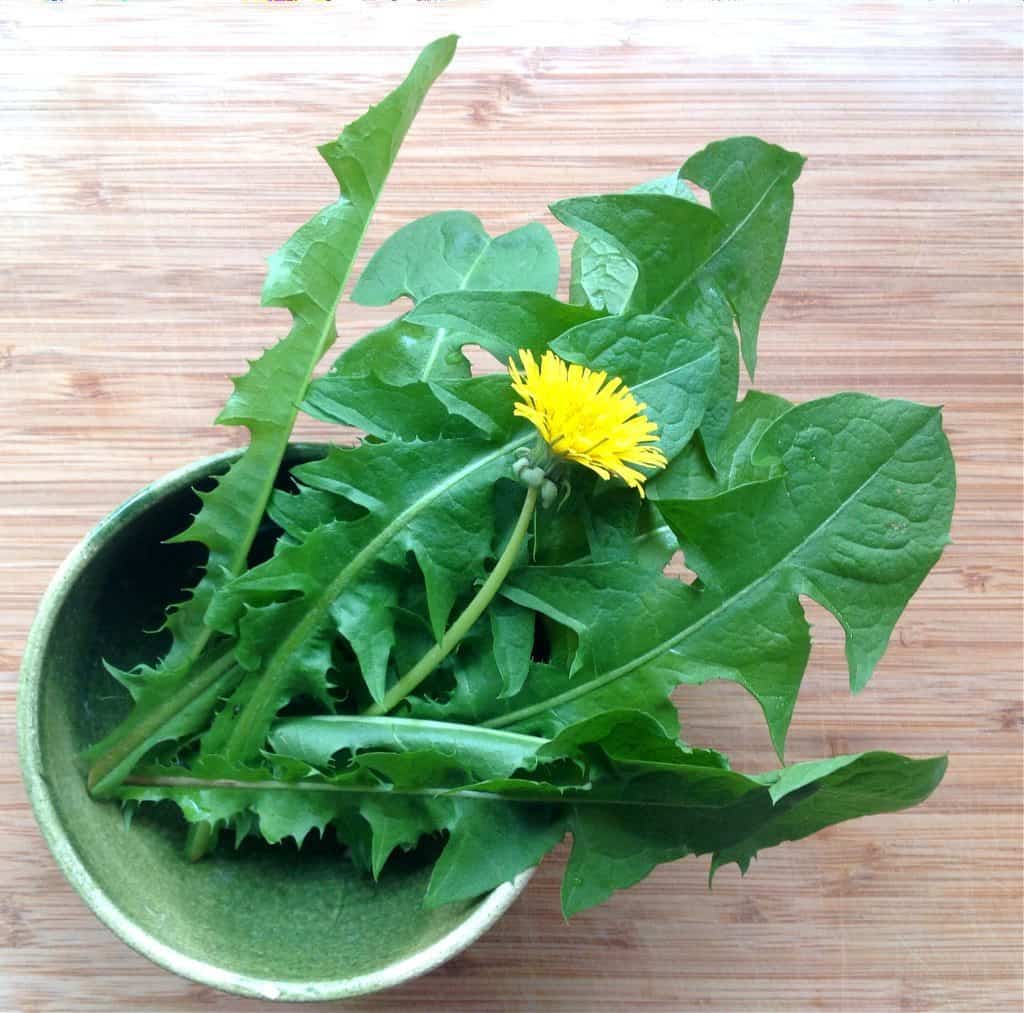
(151, 156)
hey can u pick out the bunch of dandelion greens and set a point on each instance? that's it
(464, 630)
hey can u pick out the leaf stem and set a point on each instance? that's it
(554, 795)
(453, 636)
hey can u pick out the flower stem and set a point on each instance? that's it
(454, 634)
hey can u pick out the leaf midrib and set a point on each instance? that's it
(710, 352)
(540, 797)
(442, 331)
(688, 280)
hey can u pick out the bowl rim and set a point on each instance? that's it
(479, 920)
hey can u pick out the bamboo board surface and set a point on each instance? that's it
(152, 155)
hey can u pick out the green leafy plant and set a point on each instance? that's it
(464, 630)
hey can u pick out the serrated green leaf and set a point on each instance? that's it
(613, 850)
(487, 402)
(365, 618)
(622, 734)
(307, 277)
(712, 316)
(298, 513)
(408, 411)
(857, 519)
(682, 250)
(219, 794)
(401, 823)
(751, 188)
(638, 629)
(260, 630)
(808, 797)
(420, 781)
(178, 710)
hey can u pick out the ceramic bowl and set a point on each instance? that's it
(262, 921)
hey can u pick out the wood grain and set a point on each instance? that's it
(152, 155)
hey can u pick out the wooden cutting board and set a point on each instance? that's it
(151, 156)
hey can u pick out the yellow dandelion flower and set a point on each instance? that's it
(586, 417)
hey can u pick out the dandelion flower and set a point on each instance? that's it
(586, 417)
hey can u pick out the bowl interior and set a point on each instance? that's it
(258, 920)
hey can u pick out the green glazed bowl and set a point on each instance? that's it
(261, 921)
